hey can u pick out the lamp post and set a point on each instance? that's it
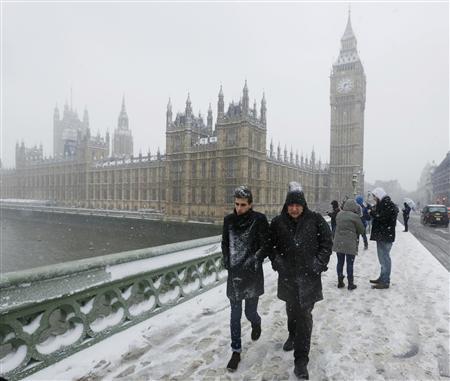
(354, 183)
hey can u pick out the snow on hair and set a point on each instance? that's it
(243, 192)
(294, 186)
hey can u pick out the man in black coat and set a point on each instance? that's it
(244, 239)
(301, 241)
(406, 210)
(384, 215)
(334, 204)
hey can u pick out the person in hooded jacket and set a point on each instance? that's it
(365, 217)
(335, 205)
(406, 210)
(348, 228)
(384, 214)
(301, 247)
(244, 239)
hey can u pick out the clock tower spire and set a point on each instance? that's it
(347, 101)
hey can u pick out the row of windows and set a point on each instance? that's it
(127, 176)
(118, 193)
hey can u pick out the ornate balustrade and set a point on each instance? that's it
(48, 313)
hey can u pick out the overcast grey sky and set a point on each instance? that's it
(153, 51)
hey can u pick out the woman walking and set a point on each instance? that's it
(348, 227)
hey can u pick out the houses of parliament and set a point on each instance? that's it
(203, 161)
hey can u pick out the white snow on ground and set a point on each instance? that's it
(397, 334)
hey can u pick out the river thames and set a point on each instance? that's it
(33, 239)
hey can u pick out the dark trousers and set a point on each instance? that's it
(300, 324)
(340, 264)
(405, 219)
(364, 236)
(251, 313)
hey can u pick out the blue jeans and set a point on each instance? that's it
(251, 306)
(383, 250)
(340, 264)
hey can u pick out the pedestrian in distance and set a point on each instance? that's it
(335, 210)
(348, 228)
(384, 214)
(301, 247)
(365, 218)
(245, 234)
(406, 210)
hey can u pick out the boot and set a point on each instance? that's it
(380, 286)
(351, 285)
(375, 280)
(256, 331)
(234, 361)
(301, 371)
(341, 281)
(289, 344)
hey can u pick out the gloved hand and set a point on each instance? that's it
(318, 267)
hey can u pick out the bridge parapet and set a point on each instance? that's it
(48, 313)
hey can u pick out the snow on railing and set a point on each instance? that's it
(51, 312)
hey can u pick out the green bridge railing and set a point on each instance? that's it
(48, 313)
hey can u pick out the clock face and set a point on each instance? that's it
(345, 85)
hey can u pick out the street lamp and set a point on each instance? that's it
(354, 183)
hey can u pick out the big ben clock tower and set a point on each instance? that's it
(347, 101)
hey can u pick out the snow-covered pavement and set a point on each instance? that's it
(401, 333)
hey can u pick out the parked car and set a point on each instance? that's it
(448, 211)
(435, 215)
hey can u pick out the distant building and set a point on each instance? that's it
(440, 179)
(203, 161)
(425, 186)
(68, 131)
(123, 140)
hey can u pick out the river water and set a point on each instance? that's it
(31, 239)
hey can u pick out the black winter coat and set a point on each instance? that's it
(244, 241)
(384, 220)
(406, 210)
(301, 251)
(333, 215)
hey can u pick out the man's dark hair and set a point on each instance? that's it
(244, 192)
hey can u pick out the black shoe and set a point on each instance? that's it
(234, 361)
(256, 331)
(341, 281)
(375, 280)
(301, 372)
(381, 286)
(289, 344)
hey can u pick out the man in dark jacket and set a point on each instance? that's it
(245, 234)
(406, 210)
(384, 215)
(333, 214)
(301, 242)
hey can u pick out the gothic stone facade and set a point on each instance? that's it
(201, 167)
(193, 180)
(347, 101)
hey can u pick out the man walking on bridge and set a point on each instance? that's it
(245, 234)
(301, 241)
